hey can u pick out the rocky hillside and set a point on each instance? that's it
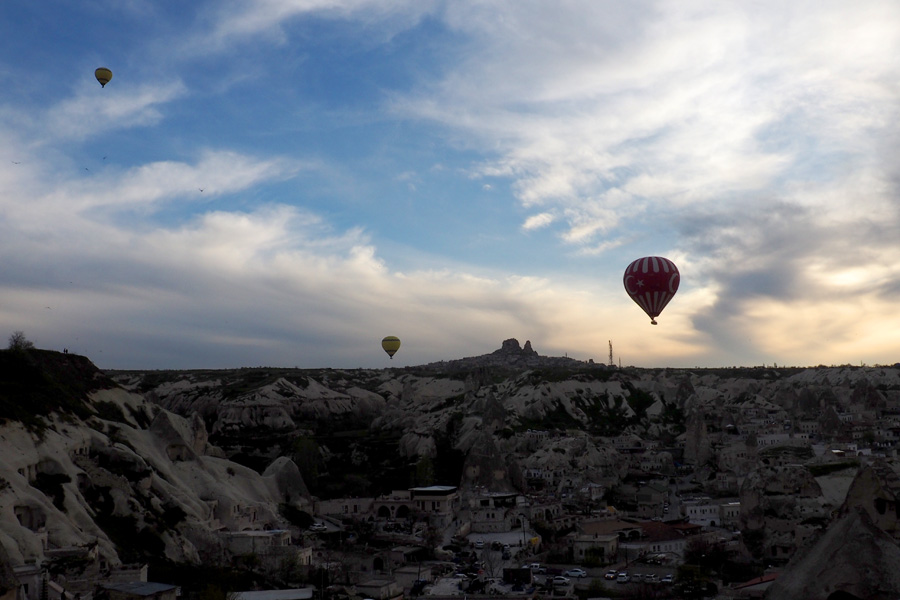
(853, 557)
(384, 422)
(144, 463)
(94, 466)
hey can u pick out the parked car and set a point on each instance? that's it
(622, 577)
(651, 578)
(479, 543)
(611, 574)
(536, 568)
(668, 579)
(317, 527)
(637, 578)
(575, 573)
(560, 580)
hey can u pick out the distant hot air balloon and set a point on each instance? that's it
(390, 344)
(103, 75)
(651, 282)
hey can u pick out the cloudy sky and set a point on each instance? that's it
(285, 182)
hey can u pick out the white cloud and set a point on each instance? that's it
(674, 102)
(100, 196)
(755, 144)
(268, 286)
(239, 20)
(94, 111)
(538, 221)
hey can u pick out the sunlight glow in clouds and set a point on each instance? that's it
(313, 175)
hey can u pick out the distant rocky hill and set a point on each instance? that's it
(440, 412)
(510, 355)
(142, 462)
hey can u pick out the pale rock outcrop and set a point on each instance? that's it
(876, 490)
(577, 454)
(853, 556)
(784, 504)
(698, 448)
(485, 467)
(287, 480)
(415, 444)
(9, 583)
(119, 469)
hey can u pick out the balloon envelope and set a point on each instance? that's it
(390, 344)
(652, 282)
(103, 75)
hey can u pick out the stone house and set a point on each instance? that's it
(736, 456)
(540, 510)
(602, 548)
(657, 538)
(650, 499)
(654, 461)
(439, 502)
(809, 427)
(256, 542)
(30, 578)
(140, 590)
(359, 508)
(304, 593)
(271, 547)
(396, 505)
(728, 481)
(436, 500)
(380, 589)
(494, 512)
(702, 511)
(730, 514)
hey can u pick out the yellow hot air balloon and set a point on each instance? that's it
(390, 344)
(103, 75)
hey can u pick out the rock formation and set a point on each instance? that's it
(485, 467)
(9, 584)
(876, 490)
(126, 483)
(854, 556)
(179, 456)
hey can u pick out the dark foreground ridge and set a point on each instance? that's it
(35, 383)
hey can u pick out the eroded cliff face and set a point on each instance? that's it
(442, 411)
(781, 508)
(854, 556)
(140, 480)
(171, 457)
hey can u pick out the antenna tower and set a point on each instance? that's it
(611, 363)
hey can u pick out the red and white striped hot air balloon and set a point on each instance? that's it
(651, 282)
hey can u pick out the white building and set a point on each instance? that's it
(702, 511)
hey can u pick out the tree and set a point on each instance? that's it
(424, 475)
(308, 456)
(20, 343)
